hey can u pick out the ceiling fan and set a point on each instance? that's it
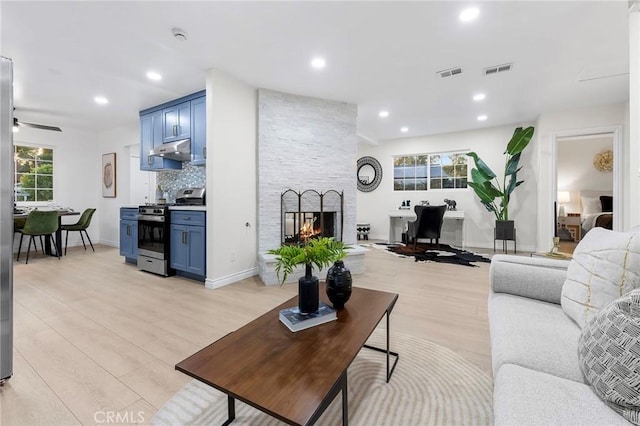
(17, 124)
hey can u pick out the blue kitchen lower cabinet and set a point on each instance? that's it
(188, 252)
(129, 234)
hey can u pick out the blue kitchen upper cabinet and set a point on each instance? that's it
(150, 137)
(199, 131)
(176, 122)
(129, 234)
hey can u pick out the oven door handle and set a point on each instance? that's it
(150, 218)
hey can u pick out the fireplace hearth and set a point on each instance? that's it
(311, 214)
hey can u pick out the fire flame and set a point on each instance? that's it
(307, 231)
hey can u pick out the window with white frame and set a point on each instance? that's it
(430, 171)
(33, 173)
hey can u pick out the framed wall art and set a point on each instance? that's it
(109, 175)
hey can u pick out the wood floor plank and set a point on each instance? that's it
(83, 385)
(113, 353)
(156, 382)
(30, 401)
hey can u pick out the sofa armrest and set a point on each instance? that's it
(532, 277)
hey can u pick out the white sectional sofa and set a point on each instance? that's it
(534, 346)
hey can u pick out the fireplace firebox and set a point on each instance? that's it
(311, 214)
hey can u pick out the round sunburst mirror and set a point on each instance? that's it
(369, 174)
(604, 161)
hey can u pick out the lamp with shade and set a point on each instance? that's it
(563, 198)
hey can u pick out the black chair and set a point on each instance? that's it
(428, 224)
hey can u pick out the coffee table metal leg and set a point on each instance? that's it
(388, 352)
(345, 403)
(231, 402)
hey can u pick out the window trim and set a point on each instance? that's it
(53, 160)
(428, 155)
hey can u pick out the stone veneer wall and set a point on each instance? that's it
(173, 180)
(304, 143)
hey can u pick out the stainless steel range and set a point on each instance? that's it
(153, 239)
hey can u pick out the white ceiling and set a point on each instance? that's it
(380, 55)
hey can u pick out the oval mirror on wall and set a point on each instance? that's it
(369, 174)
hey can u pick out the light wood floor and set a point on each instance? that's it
(96, 340)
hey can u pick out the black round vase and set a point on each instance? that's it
(339, 284)
(308, 292)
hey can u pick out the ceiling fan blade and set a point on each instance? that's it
(39, 126)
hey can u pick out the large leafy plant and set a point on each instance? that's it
(319, 252)
(485, 182)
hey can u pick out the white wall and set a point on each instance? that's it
(632, 169)
(77, 171)
(373, 207)
(231, 179)
(121, 141)
(557, 122)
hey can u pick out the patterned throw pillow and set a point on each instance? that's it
(609, 354)
(605, 266)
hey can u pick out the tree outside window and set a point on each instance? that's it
(430, 171)
(33, 178)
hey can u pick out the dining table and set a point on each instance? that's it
(58, 234)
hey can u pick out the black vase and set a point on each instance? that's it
(339, 284)
(308, 292)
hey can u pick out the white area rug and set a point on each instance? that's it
(430, 386)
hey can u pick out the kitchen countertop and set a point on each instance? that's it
(192, 208)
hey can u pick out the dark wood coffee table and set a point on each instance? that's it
(293, 376)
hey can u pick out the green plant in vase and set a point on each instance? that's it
(318, 252)
(493, 194)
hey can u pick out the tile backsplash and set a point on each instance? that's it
(189, 177)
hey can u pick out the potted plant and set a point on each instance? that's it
(486, 185)
(320, 252)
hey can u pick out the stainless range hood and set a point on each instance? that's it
(178, 150)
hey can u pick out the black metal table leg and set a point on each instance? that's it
(387, 351)
(231, 402)
(345, 403)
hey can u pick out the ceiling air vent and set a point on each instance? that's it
(450, 72)
(498, 68)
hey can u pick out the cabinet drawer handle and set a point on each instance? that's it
(149, 160)
(204, 152)
(175, 130)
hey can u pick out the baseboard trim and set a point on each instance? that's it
(230, 279)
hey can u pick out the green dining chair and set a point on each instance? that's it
(81, 226)
(39, 224)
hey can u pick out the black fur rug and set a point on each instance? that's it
(432, 253)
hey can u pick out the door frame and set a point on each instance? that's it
(616, 133)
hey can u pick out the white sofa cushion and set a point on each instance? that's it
(605, 266)
(526, 397)
(533, 334)
(609, 354)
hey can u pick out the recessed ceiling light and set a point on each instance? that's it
(152, 75)
(180, 35)
(383, 114)
(101, 100)
(469, 14)
(482, 118)
(318, 63)
(404, 129)
(479, 97)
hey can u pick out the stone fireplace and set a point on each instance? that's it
(311, 214)
(305, 146)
